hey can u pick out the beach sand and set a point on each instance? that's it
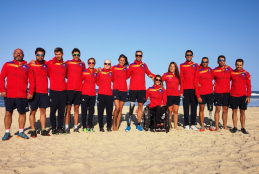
(178, 151)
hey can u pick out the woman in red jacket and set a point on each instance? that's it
(157, 95)
(172, 80)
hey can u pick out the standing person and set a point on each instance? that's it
(187, 73)
(15, 93)
(137, 89)
(157, 95)
(172, 80)
(105, 98)
(240, 94)
(75, 68)
(40, 97)
(221, 90)
(120, 89)
(88, 95)
(204, 90)
(57, 70)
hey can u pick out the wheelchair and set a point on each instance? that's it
(149, 120)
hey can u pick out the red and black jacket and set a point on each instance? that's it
(104, 80)
(74, 74)
(157, 96)
(89, 81)
(119, 77)
(222, 79)
(241, 83)
(172, 84)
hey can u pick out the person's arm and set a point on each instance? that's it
(48, 64)
(2, 80)
(248, 86)
(32, 85)
(129, 72)
(148, 72)
(196, 83)
(164, 98)
(147, 94)
(163, 77)
(182, 80)
(98, 78)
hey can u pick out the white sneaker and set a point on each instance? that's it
(194, 127)
(187, 127)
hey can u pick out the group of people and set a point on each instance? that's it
(195, 82)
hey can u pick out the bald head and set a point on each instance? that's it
(18, 55)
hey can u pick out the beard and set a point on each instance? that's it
(40, 61)
(18, 58)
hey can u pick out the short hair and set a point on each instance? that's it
(188, 51)
(58, 49)
(240, 60)
(75, 50)
(221, 56)
(205, 58)
(91, 58)
(40, 49)
(139, 51)
(126, 59)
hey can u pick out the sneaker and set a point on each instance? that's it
(6, 136)
(127, 129)
(211, 128)
(243, 130)
(62, 131)
(91, 130)
(44, 133)
(139, 128)
(109, 129)
(76, 130)
(162, 128)
(33, 134)
(202, 129)
(193, 127)
(22, 135)
(187, 127)
(234, 130)
(67, 131)
(84, 130)
(102, 130)
(54, 132)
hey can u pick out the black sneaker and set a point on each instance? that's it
(67, 130)
(76, 130)
(45, 133)
(109, 129)
(33, 134)
(234, 130)
(61, 131)
(101, 130)
(55, 132)
(243, 130)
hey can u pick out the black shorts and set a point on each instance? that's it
(137, 96)
(221, 99)
(39, 100)
(173, 100)
(119, 95)
(20, 103)
(207, 99)
(73, 97)
(238, 102)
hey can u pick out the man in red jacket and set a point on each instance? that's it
(40, 98)
(187, 73)
(74, 87)
(240, 94)
(15, 96)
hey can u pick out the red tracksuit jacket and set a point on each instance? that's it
(104, 80)
(172, 84)
(57, 74)
(40, 71)
(119, 77)
(222, 79)
(17, 79)
(241, 83)
(136, 72)
(187, 73)
(89, 81)
(204, 77)
(74, 74)
(157, 96)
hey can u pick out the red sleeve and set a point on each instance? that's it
(31, 81)
(84, 64)
(196, 82)
(129, 72)
(182, 80)
(97, 80)
(2, 78)
(248, 84)
(147, 94)
(163, 77)
(148, 72)
(164, 97)
(49, 63)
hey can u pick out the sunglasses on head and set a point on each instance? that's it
(41, 55)
(221, 60)
(91, 63)
(75, 54)
(138, 55)
(158, 80)
(204, 61)
(188, 55)
(107, 63)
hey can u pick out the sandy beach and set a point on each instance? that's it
(179, 151)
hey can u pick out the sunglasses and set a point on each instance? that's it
(41, 55)
(188, 55)
(107, 63)
(91, 63)
(138, 55)
(75, 54)
(221, 60)
(158, 80)
(204, 62)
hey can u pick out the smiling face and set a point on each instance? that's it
(221, 61)
(204, 63)
(76, 55)
(138, 56)
(59, 55)
(91, 64)
(122, 61)
(40, 56)
(239, 66)
(107, 64)
(158, 81)
(188, 56)
(18, 55)
(172, 68)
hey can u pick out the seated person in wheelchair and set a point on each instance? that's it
(157, 95)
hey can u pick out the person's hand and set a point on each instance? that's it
(199, 100)
(150, 75)
(247, 100)
(153, 78)
(98, 69)
(199, 84)
(32, 61)
(136, 110)
(214, 85)
(181, 95)
(3, 94)
(162, 105)
(29, 96)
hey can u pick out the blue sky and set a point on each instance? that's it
(162, 29)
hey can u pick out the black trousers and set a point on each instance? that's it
(189, 98)
(159, 112)
(105, 101)
(87, 102)
(58, 100)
